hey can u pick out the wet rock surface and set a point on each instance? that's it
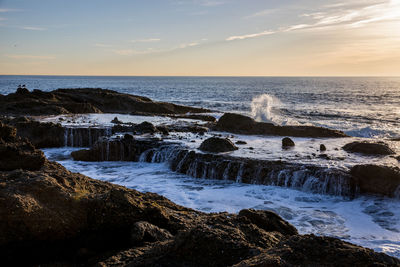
(287, 142)
(369, 148)
(216, 145)
(85, 100)
(241, 124)
(374, 179)
(50, 216)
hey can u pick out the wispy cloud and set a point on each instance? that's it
(352, 14)
(149, 40)
(2, 19)
(205, 3)
(247, 36)
(262, 13)
(5, 10)
(31, 28)
(23, 56)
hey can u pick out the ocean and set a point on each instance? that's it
(361, 107)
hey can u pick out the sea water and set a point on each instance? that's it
(360, 106)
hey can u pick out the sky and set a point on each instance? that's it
(200, 37)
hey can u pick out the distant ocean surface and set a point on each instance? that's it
(362, 107)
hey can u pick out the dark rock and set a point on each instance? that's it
(215, 144)
(324, 156)
(163, 129)
(18, 153)
(269, 221)
(147, 232)
(241, 124)
(368, 148)
(128, 137)
(322, 147)
(145, 127)
(116, 121)
(85, 100)
(374, 179)
(240, 142)
(287, 142)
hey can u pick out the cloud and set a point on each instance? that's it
(352, 14)
(188, 44)
(5, 10)
(263, 13)
(247, 36)
(19, 56)
(205, 3)
(2, 19)
(30, 28)
(149, 40)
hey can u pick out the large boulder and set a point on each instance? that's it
(241, 124)
(145, 127)
(215, 144)
(368, 148)
(287, 142)
(375, 179)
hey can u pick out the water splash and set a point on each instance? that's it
(261, 107)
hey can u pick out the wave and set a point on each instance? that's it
(267, 108)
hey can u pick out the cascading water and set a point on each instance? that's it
(84, 137)
(306, 178)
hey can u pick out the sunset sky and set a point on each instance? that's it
(200, 37)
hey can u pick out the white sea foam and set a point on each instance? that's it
(368, 221)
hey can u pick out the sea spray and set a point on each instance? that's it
(261, 107)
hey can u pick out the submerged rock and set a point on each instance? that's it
(322, 147)
(368, 148)
(375, 179)
(287, 142)
(216, 144)
(116, 121)
(241, 124)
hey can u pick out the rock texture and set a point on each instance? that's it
(241, 124)
(16, 152)
(369, 148)
(216, 145)
(52, 217)
(375, 179)
(287, 142)
(86, 100)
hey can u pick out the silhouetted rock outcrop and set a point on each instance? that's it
(287, 142)
(241, 124)
(86, 100)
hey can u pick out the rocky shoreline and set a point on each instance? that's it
(54, 217)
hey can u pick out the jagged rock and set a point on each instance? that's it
(287, 142)
(322, 147)
(116, 120)
(145, 127)
(268, 221)
(311, 250)
(85, 100)
(241, 124)
(17, 153)
(22, 91)
(147, 232)
(375, 179)
(368, 148)
(215, 144)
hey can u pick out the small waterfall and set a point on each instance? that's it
(84, 137)
(313, 179)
